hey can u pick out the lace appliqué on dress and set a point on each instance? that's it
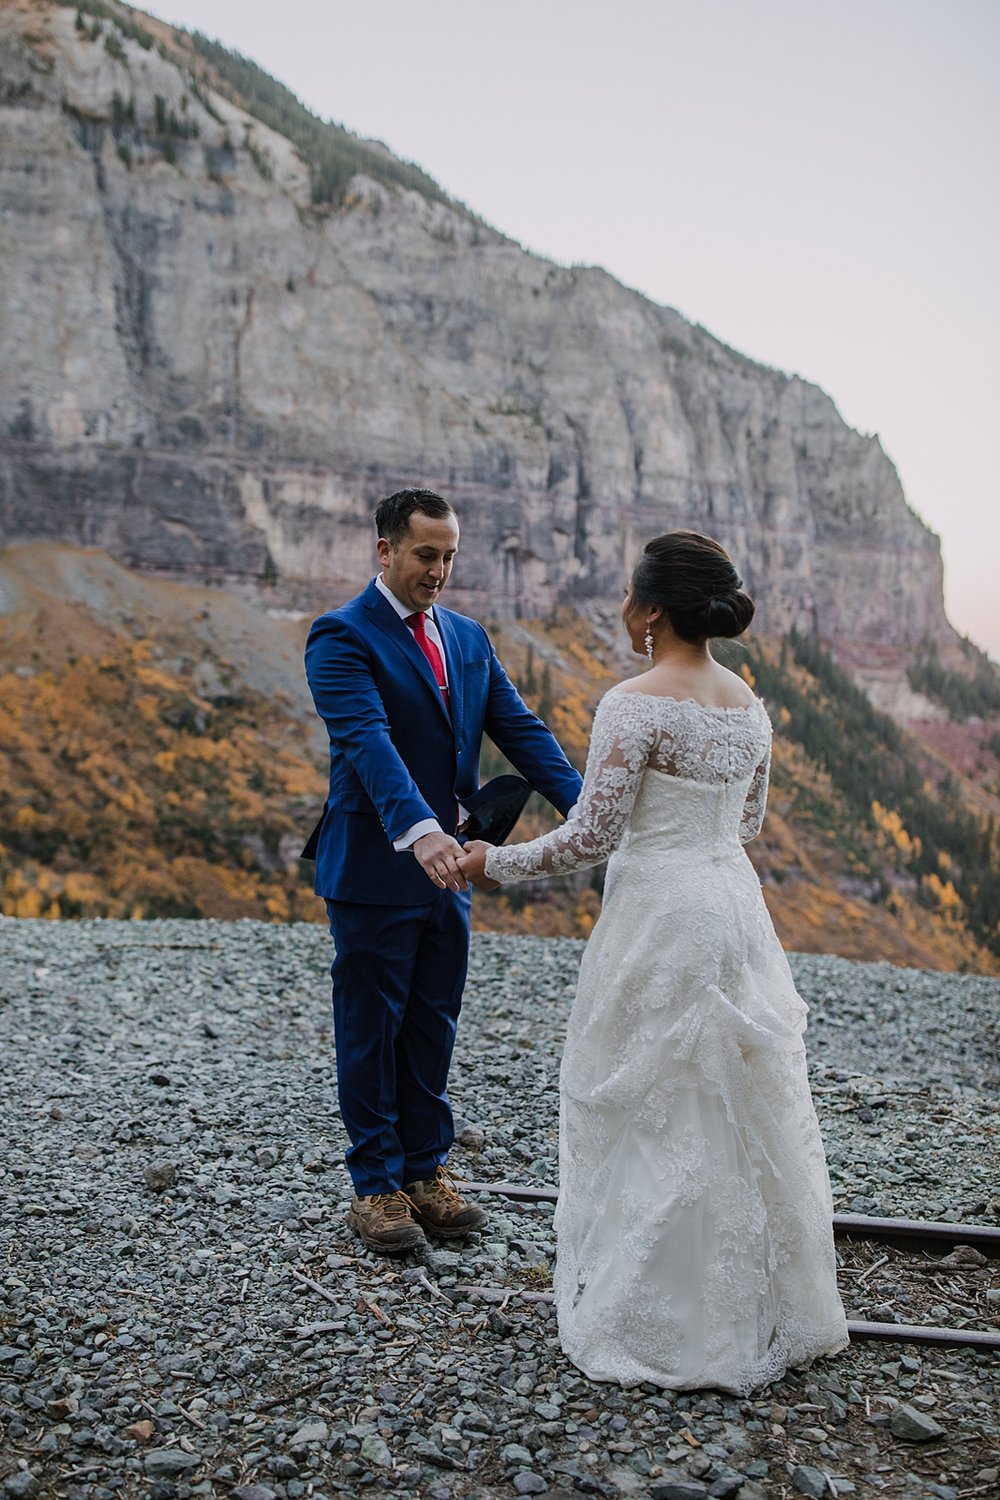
(634, 732)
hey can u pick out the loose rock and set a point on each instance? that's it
(161, 1175)
(21, 1486)
(809, 1481)
(914, 1426)
(166, 1463)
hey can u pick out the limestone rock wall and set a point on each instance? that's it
(205, 376)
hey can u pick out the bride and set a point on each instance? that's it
(694, 1238)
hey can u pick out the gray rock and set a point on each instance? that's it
(21, 1486)
(677, 1489)
(429, 1453)
(253, 1492)
(376, 1451)
(309, 1432)
(166, 1463)
(514, 1453)
(529, 1484)
(810, 1481)
(477, 1421)
(914, 1426)
(161, 1176)
(282, 1210)
(282, 1466)
(836, 1408)
(726, 1486)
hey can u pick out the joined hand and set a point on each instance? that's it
(438, 857)
(472, 863)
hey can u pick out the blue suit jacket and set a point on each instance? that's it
(396, 754)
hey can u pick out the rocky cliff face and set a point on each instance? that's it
(206, 376)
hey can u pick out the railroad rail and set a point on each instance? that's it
(911, 1234)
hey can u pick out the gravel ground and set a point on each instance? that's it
(183, 1311)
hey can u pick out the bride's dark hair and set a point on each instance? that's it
(693, 580)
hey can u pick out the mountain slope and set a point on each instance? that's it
(159, 755)
(158, 751)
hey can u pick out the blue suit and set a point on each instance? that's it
(397, 757)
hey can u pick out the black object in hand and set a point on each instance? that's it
(494, 809)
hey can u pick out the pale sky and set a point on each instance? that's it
(815, 183)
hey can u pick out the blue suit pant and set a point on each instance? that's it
(398, 976)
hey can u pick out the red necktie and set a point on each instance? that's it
(418, 625)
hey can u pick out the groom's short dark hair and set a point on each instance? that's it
(392, 515)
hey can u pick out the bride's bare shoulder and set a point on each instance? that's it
(633, 687)
(723, 689)
(734, 691)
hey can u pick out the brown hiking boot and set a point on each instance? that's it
(440, 1208)
(385, 1223)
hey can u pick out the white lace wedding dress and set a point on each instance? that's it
(694, 1238)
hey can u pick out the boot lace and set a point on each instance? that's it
(393, 1205)
(442, 1186)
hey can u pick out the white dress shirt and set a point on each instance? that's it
(426, 825)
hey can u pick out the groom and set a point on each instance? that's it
(407, 690)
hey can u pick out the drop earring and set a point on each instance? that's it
(649, 644)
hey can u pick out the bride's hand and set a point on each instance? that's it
(472, 863)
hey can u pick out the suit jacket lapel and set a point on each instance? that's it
(453, 667)
(385, 618)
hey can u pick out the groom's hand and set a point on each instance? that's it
(473, 864)
(438, 856)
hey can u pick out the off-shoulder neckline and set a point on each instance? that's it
(711, 708)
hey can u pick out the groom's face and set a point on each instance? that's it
(419, 567)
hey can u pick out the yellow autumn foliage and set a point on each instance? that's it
(890, 824)
(941, 893)
(108, 809)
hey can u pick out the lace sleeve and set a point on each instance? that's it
(620, 742)
(756, 799)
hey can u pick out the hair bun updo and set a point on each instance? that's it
(727, 615)
(693, 580)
